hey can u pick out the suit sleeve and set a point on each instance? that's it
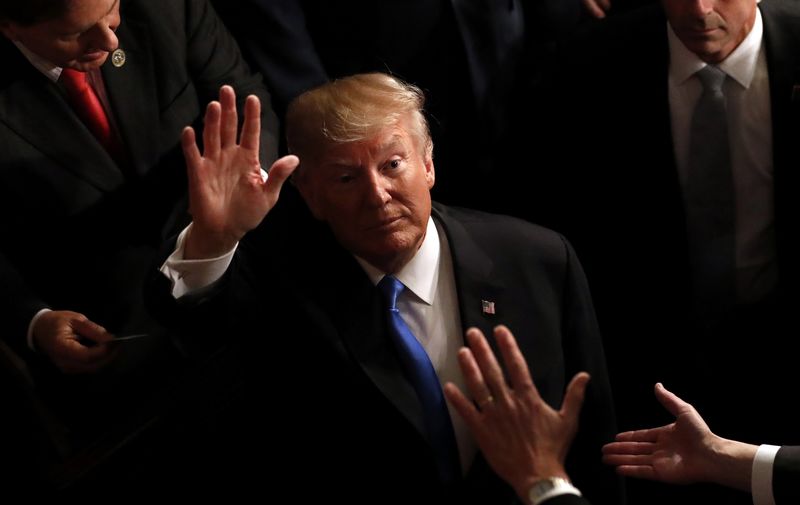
(786, 472)
(584, 352)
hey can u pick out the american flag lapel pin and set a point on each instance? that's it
(487, 307)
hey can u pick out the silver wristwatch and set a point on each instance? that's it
(548, 488)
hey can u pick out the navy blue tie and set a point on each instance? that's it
(423, 377)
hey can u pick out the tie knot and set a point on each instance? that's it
(712, 78)
(73, 80)
(390, 288)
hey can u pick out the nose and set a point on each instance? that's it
(104, 37)
(701, 8)
(377, 189)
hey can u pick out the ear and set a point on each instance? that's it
(430, 172)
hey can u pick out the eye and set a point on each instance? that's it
(344, 178)
(394, 163)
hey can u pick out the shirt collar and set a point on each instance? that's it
(740, 65)
(50, 71)
(420, 274)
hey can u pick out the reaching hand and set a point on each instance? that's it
(522, 437)
(71, 341)
(682, 452)
(228, 196)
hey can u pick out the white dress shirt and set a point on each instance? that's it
(428, 305)
(761, 480)
(749, 114)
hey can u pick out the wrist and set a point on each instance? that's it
(204, 244)
(733, 463)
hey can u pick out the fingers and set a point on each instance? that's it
(489, 367)
(628, 449)
(573, 399)
(515, 362)
(670, 401)
(473, 376)
(639, 472)
(229, 118)
(211, 130)
(91, 331)
(463, 406)
(251, 131)
(648, 435)
(595, 8)
(190, 151)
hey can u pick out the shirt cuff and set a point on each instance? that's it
(35, 318)
(761, 479)
(190, 276)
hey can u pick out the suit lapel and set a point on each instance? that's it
(131, 92)
(34, 108)
(357, 312)
(473, 270)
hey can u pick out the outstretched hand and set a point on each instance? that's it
(521, 436)
(228, 193)
(682, 452)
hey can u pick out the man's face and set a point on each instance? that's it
(80, 39)
(374, 194)
(711, 29)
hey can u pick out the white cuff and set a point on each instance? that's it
(190, 276)
(761, 479)
(35, 318)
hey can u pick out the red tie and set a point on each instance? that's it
(88, 107)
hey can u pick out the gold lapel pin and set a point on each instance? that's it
(118, 57)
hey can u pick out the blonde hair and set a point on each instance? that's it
(353, 109)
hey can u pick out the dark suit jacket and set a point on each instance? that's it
(328, 382)
(78, 230)
(619, 202)
(784, 475)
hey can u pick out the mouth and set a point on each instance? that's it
(93, 56)
(385, 223)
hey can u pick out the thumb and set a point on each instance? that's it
(670, 401)
(573, 399)
(279, 172)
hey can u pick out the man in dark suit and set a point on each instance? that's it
(471, 57)
(82, 215)
(687, 451)
(628, 200)
(298, 298)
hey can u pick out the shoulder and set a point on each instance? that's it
(506, 237)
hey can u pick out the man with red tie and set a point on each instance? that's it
(93, 97)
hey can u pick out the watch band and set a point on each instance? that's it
(550, 487)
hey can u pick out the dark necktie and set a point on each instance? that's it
(423, 377)
(711, 210)
(87, 106)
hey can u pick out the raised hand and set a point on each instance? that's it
(227, 192)
(521, 436)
